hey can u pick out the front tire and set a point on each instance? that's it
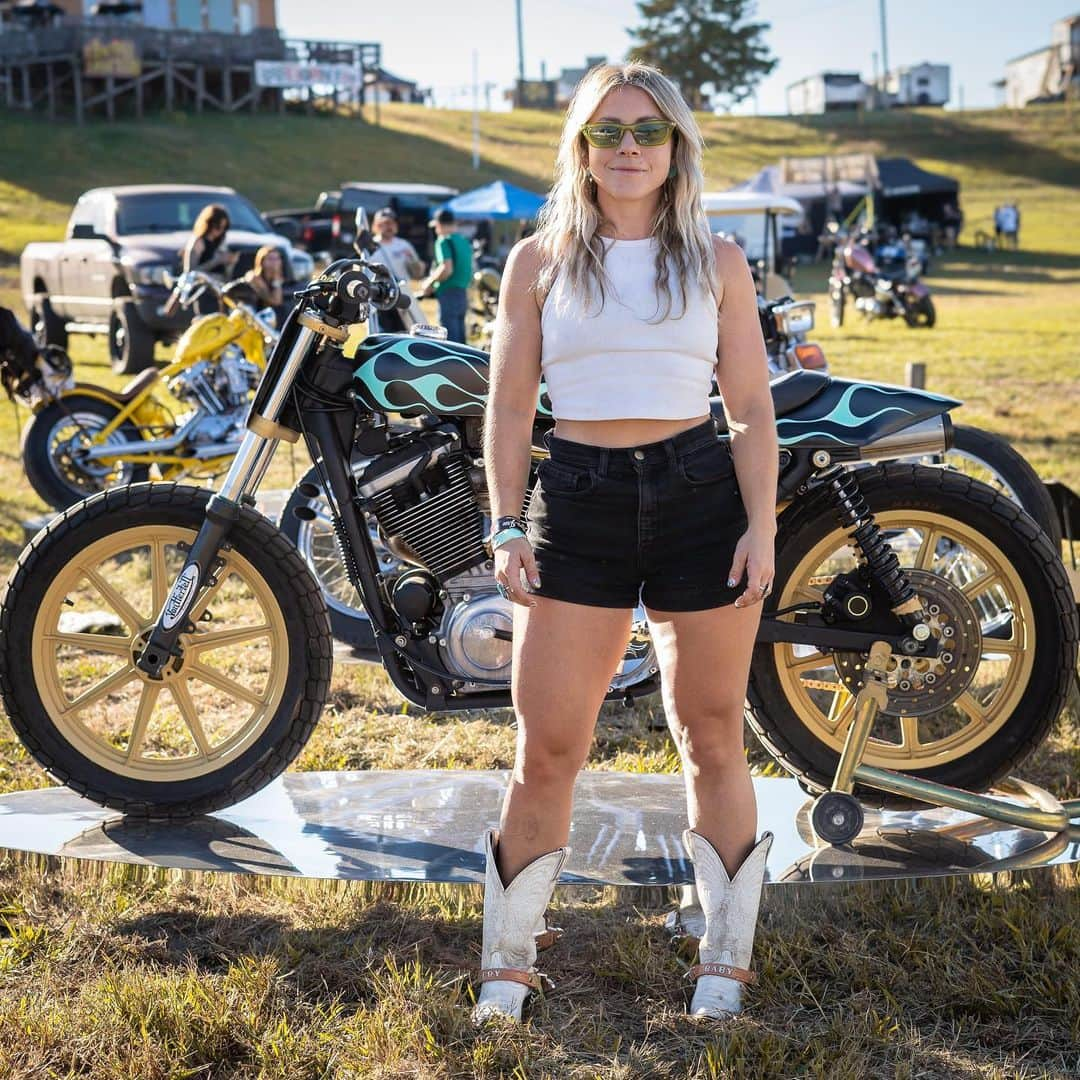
(131, 341)
(48, 328)
(836, 307)
(232, 710)
(1005, 615)
(51, 446)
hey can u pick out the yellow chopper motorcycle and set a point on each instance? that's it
(185, 420)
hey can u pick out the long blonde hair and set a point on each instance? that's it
(568, 222)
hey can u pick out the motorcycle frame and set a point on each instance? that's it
(145, 410)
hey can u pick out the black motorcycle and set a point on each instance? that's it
(165, 650)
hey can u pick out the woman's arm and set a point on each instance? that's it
(511, 409)
(193, 252)
(742, 372)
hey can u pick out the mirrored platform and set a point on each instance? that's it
(427, 825)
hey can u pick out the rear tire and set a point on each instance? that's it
(47, 443)
(131, 341)
(1026, 638)
(921, 313)
(188, 759)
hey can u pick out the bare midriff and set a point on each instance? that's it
(631, 431)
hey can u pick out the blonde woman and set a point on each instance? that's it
(626, 304)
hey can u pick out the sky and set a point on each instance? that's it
(432, 41)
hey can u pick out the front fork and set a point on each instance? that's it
(240, 484)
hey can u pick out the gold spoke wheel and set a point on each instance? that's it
(211, 704)
(918, 737)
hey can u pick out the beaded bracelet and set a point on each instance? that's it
(503, 535)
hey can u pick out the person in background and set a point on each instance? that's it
(266, 278)
(400, 254)
(206, 249)
(207, 252)
(1010, 225)
(451, 275)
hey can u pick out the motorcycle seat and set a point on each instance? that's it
(137, 385)
(789, 392)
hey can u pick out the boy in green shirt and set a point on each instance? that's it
(450, 275)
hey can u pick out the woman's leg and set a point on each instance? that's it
(564, 657)
(704, 659)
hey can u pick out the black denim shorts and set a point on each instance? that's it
(655, 523)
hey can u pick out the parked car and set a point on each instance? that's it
(108, 274)
(328, 227)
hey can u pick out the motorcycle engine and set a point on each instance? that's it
(217, 385)
(429, 499)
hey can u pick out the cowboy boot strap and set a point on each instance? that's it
(532, 979)
(743, 975)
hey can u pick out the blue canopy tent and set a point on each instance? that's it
(497, 200)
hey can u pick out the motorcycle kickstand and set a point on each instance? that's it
(836, 816)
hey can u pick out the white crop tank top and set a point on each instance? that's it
(613, 363)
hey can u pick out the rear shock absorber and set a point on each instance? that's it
(853, 512)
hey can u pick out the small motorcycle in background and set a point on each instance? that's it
(187, 418)
(30, 373)
(856, 275)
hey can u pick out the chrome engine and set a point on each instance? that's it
(426, 497)
(218, 391)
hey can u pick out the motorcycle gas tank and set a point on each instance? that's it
(859, 258)
(849, 413)
(208, 335)
(412, 375)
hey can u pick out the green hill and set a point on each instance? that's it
(1031, 155)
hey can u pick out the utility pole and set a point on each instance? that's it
(884, 48)
(521, 45)
(475, 111)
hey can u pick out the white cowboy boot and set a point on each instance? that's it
(514, 925)
(731, 911)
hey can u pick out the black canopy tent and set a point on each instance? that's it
(906, 188)
(900, 188)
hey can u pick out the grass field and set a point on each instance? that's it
(120, 973)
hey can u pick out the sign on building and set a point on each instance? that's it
(283, 74)
(116, 58)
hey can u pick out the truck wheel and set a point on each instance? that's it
(131, 341)
(47, 326)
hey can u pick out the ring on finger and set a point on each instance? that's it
(503, 591)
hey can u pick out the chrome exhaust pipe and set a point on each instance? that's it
(933, 436)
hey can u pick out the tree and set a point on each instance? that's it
(704, 44)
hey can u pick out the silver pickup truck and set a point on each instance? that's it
(107, 276)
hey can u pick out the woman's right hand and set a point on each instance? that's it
(510, 559)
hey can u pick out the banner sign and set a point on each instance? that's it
(117, 58)
(284, 74)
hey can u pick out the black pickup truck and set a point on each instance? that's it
(108, 274)
(328, 226)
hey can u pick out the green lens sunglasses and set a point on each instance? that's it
(607, 134)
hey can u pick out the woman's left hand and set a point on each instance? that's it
(754, 557)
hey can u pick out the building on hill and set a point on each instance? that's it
(918, 84)
(828, 91)
(222, 16)
(1049, 74)
(83, 58)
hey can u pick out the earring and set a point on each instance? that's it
(672, 173)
